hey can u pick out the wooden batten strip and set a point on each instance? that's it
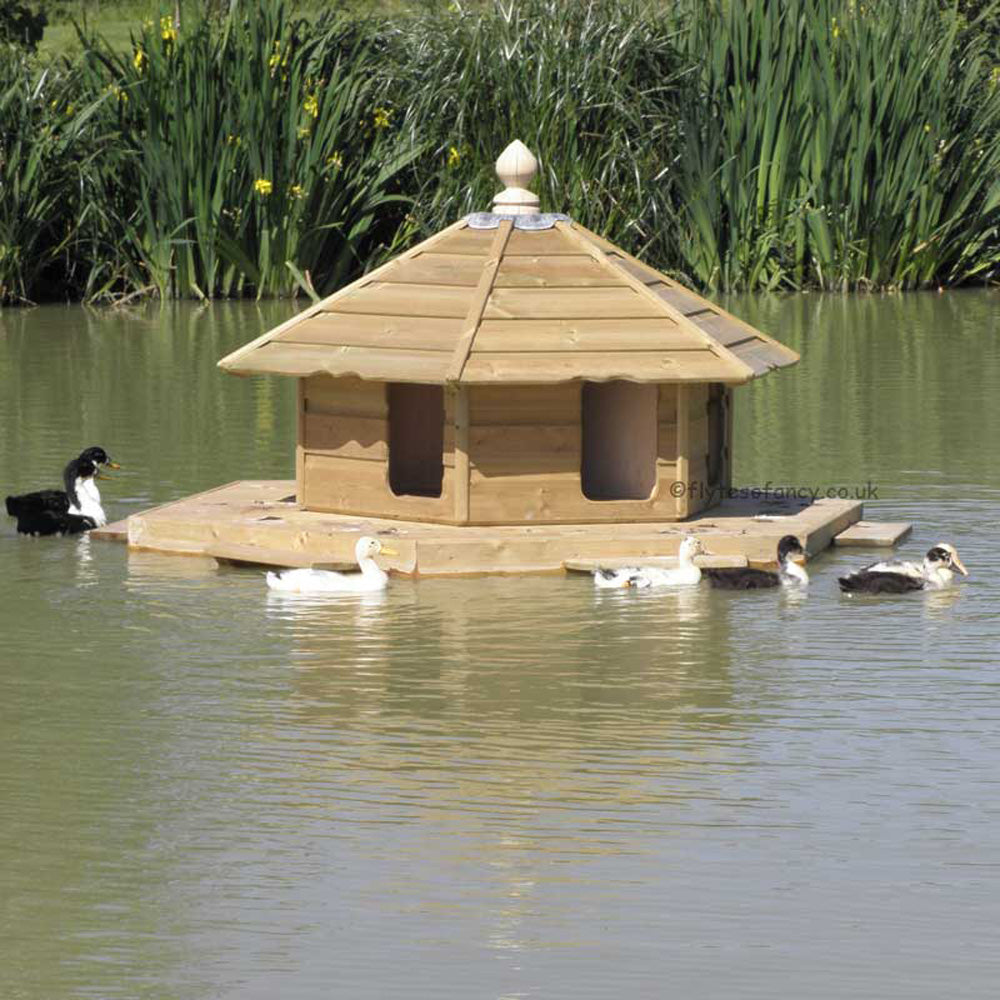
(300, 444)
(231, 361)
(741, 371)
(462, 463)
(479, 300)
(683, 466)
(727, 480)
(563, 366)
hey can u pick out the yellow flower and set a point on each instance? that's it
(835, 28)
(335, 159)
(454, 156)
(927, 128)
(139, 60)
(167, 30)
(263, 186)
(311, 106)
(304, 132)
(995, 76)
(382, 117)
(296, 191)
(234, 140)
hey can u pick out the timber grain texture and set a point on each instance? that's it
(253, 522)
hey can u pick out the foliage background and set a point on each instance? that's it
(259, 150)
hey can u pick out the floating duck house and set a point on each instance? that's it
(512, 394)
(514, 369)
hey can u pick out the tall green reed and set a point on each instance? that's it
(740, 145)
(47, 142)
(589, 86)
(835, 144)
(255, 155)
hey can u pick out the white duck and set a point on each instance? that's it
(685, 575)
(319, 581)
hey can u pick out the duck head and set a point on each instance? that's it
(944, 556)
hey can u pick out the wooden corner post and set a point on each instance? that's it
(300, 446)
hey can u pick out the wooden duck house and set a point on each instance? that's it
(514, 369)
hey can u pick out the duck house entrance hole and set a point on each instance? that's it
(416, 439)
(619, 440)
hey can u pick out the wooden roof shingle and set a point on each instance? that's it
(484, 306)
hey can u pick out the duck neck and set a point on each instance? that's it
(88, 501)
(792, 572)
(937, 574)
(371, 570)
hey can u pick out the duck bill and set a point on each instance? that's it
(112, 465)
(386, 551)
(957, 564)
(799, 558)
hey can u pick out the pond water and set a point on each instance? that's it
(499, 787)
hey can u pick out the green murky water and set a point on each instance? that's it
(499, 787)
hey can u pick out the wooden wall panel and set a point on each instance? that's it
(360, 486)
(525, 404)
(346, 436)
(344, 443)
(345, 396)
(525, 450)
(522, 461)
(505, 450)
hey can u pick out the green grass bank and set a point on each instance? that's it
(740, 146)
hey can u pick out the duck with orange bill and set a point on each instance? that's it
(74, 509)
(318, 581)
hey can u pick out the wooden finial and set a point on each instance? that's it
(516, 169)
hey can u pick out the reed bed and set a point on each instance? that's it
(592, 88)
(838, 145)
(256, 155)
(771, 145)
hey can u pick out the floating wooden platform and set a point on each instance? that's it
(872, 534)
(260, 523)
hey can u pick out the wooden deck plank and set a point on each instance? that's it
(874, 534)
(255, 523)
(659, 562)
(117, 531)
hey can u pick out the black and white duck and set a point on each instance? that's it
(74, 509)
(896, 576)
(790, 572)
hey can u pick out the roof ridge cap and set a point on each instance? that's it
(474, 316)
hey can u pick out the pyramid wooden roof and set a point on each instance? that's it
(482, 306)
